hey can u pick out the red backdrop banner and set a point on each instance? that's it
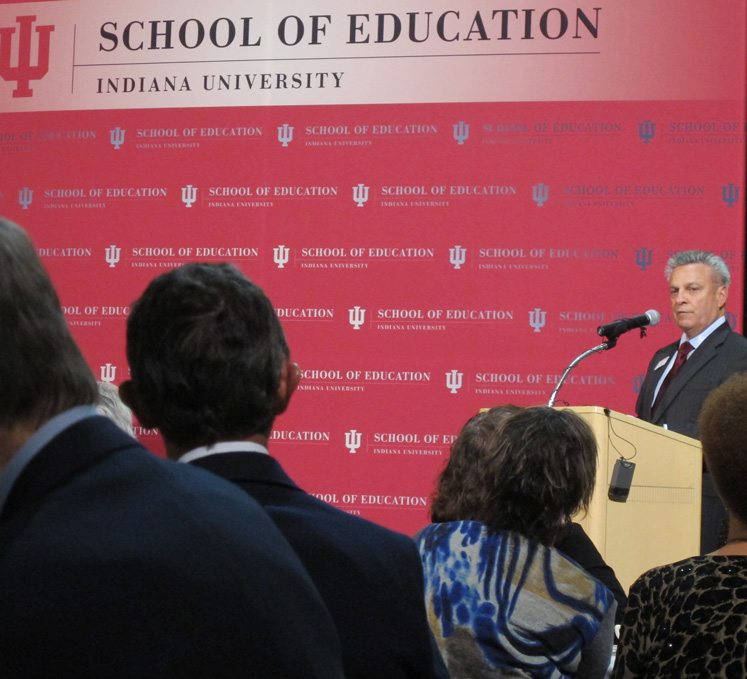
(441, 228)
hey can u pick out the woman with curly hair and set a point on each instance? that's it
(502, 600)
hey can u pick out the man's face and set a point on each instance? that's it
(697, 297)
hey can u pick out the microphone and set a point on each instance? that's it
(651, 317)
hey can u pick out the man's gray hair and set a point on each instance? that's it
(42, 371)
(699, 257)
(110, 405)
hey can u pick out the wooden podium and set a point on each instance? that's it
(660, 521)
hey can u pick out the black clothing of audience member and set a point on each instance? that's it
(577, 545)
(211, 369)
(117, 564)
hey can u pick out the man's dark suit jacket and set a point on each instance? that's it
(722, 354)
(370, 577)
(114, 564)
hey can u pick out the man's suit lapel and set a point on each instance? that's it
(659, 362)
(694, 364)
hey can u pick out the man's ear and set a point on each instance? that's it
(721, 294)
(290, 376)
(130, 397)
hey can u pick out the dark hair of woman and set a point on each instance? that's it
(527, 470)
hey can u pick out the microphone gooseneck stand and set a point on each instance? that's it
(607, 344)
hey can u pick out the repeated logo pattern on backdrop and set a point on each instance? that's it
(426, 259)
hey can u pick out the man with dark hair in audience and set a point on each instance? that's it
(211, 369)
(114, 563)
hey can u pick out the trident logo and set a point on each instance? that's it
(112, 255)
(117, 137)
(285, 134)
(730, 194)
(637, 383)
(454, 381)
(461, 131)
(540, 194)
(24, 72)
(731, 319)
(108, 372)
(457, 256)
(360, 194)
(357, 317)
(646, 130)
(537, 319)
(281, 255)
(189, 195)
(643, 258)
(25, 197)
(352, 440)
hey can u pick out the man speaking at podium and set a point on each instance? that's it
(682, 374)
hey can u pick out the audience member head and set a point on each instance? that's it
(208, 358)
(459, 486)
(528, 472)
(110, 405)
(42, 372)
(723, 432)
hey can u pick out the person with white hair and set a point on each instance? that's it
(681, 374)
(110, 405)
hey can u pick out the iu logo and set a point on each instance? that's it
(360, 194)
(643, 258)
(281, 255)
(357, 317)
(117, 137)
(23, 73)
(112, 255)
(730, 194)
(25, 197)
(646, 131)
(637, 383)
(454, 381)
(540, 194)
(537, 319)
(731, 319)
(108, 372)
(285, 134)
(189, 194)
(352, 440)
(457, 256)
(461, 132)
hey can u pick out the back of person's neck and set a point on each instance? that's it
(736, 541)
(11, 441)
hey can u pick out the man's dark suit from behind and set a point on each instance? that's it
(211, 369)
(369, 577)
(117, 564)
(698, 288)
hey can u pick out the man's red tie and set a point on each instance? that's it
(682, 354)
